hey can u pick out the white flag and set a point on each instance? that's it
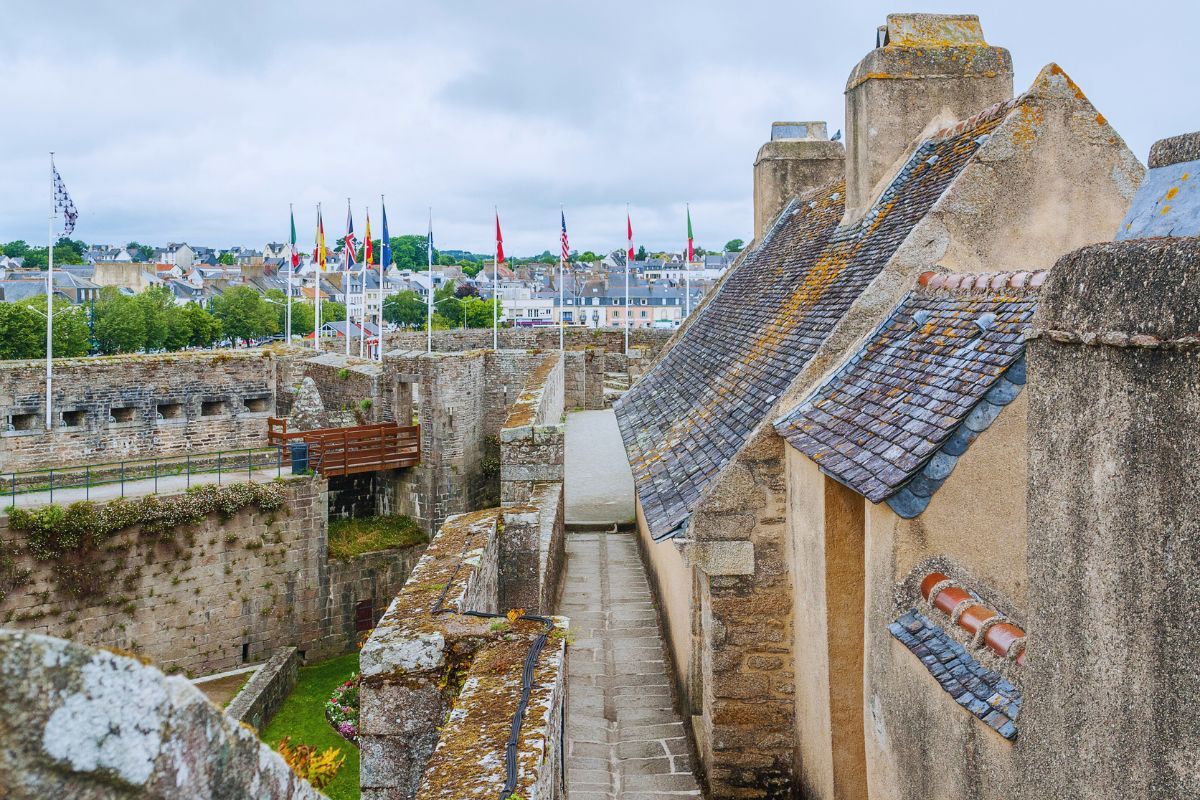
(63, 204)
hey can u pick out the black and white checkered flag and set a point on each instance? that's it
(63, 204)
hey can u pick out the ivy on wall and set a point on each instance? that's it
(75, 540)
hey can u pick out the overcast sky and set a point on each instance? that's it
(201, 121)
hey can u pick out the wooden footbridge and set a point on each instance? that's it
(350, 450)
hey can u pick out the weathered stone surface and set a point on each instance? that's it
(265, 692)
(308, 412)
(113, 728)
(1114, 537)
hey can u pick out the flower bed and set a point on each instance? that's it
(342, 708)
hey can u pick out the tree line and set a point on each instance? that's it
(453, 307)
(151, 321)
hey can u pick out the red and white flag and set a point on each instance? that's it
(629, 232)
(499, 243)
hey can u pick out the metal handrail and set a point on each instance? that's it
(89, 476)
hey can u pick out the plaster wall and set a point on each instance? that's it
(974, 530)
(672, 580)
(787, 169)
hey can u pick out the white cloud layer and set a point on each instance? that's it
(201, 121)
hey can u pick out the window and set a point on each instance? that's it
(170, 410)
(125, 414)
(73, 419)
(22, 422)
(257, 405)
(643, 315)
(212, 408)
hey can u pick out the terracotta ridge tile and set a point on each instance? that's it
(987, 626)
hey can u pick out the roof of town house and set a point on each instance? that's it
(689, 416)
(1168, 201)
(893, 420)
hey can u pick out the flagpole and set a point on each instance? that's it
(561, 297)
(495, 287)
(687, 267)
(291, 272)
(50, 305)
(362, 274)
(317, 258)
(429, 293)
(382, 290)
(628, 267)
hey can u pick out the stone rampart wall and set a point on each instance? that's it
(610, 339)
(109, 409)
(213, 597)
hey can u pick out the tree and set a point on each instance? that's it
(139, 252)
(477, 312)
(409, 252)
(22, 332)
(244, 314)
(303, 318)
(734, 246)
(332, 312)
(156, 303)
(120, 323)
(204, 327)
(445, 261)
(227, 259)
(16, 249)
(405, 308)
(71, 335)
(471, 269)
(587, 256)
(466, 290)
(641, 253)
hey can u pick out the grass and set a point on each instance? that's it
(353, 537)
(302, 717)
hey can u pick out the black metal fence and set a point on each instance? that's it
(138, 476)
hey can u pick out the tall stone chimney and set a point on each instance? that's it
(799, 157)
(924, 67)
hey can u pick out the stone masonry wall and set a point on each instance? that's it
(739, 547)
(116, 728)
(344, 385)
(408, 692)
(266, 690)
(107, 409)
(611, 339)
(226, 593)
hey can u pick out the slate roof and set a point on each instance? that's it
(893, 420)
(688, 417)
(1166, 204)
(981, 691)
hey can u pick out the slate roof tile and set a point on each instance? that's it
(772, 313)
(942, 378)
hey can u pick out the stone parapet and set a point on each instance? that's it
(443, 680)
(113, 727)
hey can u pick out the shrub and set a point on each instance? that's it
(319, 769)
(353, 537)
(342, 709)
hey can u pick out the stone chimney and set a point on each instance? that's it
(926, 70)
(799, 157)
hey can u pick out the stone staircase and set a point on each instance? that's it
(615, 385)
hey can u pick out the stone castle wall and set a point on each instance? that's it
(108, 409)
(609, 339)
(227, 592)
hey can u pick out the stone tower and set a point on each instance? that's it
(926, 69)
(798, 158)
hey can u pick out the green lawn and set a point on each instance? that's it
(352, 537)
(302, 717)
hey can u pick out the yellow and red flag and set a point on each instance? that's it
(367, 243)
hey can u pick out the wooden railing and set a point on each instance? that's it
(346, 451)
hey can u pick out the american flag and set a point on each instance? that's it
(566, 247)
(63, 203)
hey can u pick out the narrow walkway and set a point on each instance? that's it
(625, 740)
(166, 484)
(599, 484)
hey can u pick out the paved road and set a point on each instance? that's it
(174, 484)
(625, 740)
(599, 485)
